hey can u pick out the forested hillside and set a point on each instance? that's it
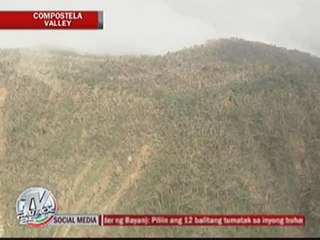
(228, 127)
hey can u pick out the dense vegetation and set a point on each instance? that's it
(227, 127)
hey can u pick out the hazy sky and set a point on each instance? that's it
(158, 26)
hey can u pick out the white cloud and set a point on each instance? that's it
(158, 26)
(288, 23)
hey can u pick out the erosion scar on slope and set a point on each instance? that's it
(128, 181)
(70, 190)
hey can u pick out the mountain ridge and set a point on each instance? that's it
(229, 127)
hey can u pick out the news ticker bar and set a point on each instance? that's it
(178, 220)
(53, 20)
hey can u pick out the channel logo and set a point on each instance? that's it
(36, 207)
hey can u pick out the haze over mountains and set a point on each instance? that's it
(157, 26)
(227, 127)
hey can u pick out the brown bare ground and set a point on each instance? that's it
(69, 192)
(103, 184)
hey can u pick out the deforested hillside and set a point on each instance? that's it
(228, 127)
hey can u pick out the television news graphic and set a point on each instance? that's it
(36, 207)
(51, 20)
(76, 219)
(203, 220)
